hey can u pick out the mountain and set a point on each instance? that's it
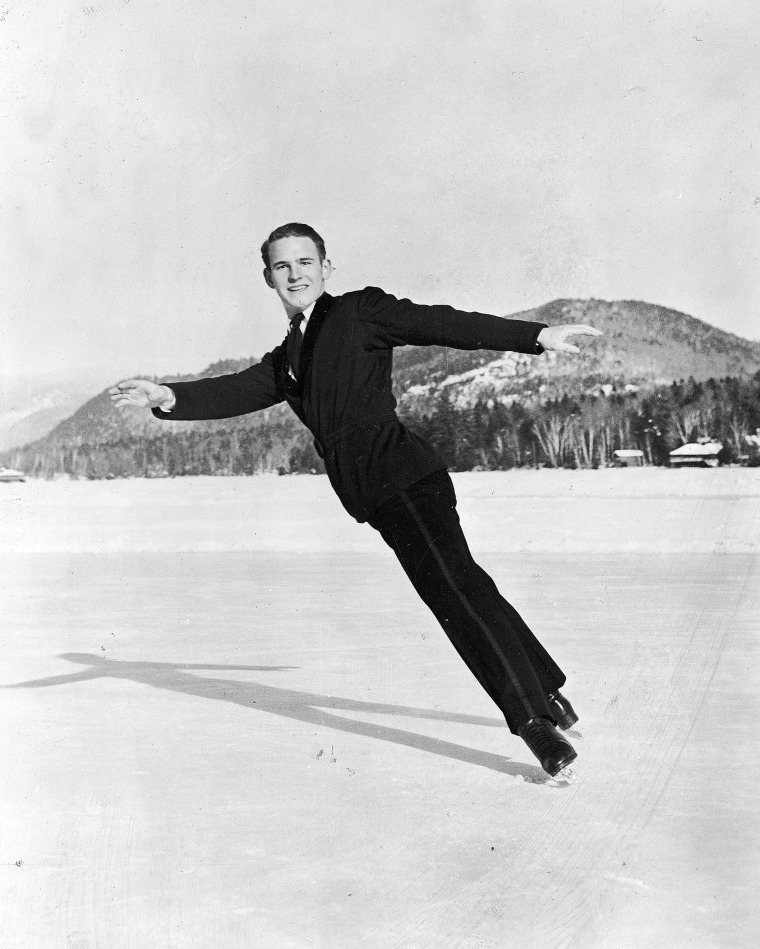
(643, 346)
(649, 343)
(31, 405)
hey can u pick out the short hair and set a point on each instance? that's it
(293, 230)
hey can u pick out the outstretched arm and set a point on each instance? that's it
(217, 397)
(394, 322)
(553, 337)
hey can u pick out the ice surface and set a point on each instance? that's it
(221, 730)
(646, 509)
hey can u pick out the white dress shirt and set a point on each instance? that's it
(306, 314)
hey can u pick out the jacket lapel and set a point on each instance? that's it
(291, 387)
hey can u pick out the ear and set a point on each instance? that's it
(268, 278)
(327, 269)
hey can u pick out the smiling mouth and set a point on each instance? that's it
(301, 286)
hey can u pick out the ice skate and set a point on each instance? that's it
(551, 748)
(562, 711)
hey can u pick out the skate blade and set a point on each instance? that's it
(567, 775)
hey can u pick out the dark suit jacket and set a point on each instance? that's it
(343, 393)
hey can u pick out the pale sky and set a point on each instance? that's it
(490, 154)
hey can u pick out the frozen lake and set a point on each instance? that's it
(229, 722)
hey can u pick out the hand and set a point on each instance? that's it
(553, 337)
(141, 394)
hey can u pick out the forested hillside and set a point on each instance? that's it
(657, 379)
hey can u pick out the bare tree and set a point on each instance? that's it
(553, 433)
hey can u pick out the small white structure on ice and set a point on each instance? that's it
(702, 452)
(629, 457)
(11, 474)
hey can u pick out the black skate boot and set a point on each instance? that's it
(553, 750)
(562, 711)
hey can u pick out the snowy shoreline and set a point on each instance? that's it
(657, 509)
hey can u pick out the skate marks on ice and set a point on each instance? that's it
(650, 720)
(571, 853)
(307, 707)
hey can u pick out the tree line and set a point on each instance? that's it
(584, 431)
(577, 430)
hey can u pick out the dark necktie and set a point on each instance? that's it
(295, 339)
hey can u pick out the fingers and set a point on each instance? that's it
(129, 392)
(120, 401)
(562, 333)
(123, 388)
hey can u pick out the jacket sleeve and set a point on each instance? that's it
(224, 396)
(393, 322)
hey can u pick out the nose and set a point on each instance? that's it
(294, 275)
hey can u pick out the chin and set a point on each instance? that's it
(303, 300)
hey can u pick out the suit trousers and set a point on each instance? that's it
(421, 526)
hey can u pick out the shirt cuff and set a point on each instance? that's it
(167, 408)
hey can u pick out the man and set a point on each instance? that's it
(336, 376)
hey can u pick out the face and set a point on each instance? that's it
(296, 272)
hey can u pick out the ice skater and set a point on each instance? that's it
(334, 370)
